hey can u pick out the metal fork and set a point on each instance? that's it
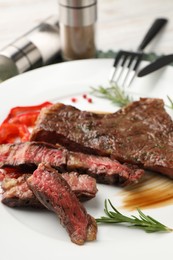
(126, 63)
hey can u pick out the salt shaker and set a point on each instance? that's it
(36, 48)
(77, 28)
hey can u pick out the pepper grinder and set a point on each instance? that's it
(77, 28)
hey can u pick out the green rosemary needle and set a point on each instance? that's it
(171, 102)
(144, 222)
(113, 93)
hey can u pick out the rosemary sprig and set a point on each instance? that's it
(171, 102)
(144, 222)
(113, 93)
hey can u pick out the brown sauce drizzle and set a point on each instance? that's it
(152, 191)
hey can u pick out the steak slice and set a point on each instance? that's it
(140, 134)
(54, 193)
(103, 169)
(30, 154)
(83, 185)
(16, 192)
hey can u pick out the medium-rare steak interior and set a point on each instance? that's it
(140, 133)
(53, 192)
(103, 169)
(16, 192)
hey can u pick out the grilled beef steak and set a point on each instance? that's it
(103, 169)
(31, 154)
(83, 185)
(16, 192)
(140, 134)
(54, 193)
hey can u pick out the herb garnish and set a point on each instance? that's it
(117, 95)
(144, 222)
(113, 93)
(171, 102)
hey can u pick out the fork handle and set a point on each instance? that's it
(154, 29)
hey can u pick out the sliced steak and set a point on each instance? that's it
(54, 193)
(16, 192)
(83, 185)
(30, 154)
(103, 169)
(140, 134)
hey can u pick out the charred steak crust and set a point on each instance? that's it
(103, 169)
(54, 193)
(60, 122)
(139, 134)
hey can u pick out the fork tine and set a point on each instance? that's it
(126, 63)
(120, 67)
(135, 71)
(117, 63)
(124, 69)
(132, 69)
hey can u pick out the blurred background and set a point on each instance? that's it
(121, 23)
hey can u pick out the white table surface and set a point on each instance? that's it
(121, 23)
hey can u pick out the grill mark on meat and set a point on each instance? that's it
(140, 134)
(103, 169)
(16, 192)
(54, 192)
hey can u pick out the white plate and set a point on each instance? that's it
(33, 234)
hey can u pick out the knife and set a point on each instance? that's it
(157, 64)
